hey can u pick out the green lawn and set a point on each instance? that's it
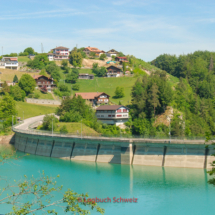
(108, 85)
(23, 59)
(43, 95)
(31, 110)
(75, 127)
(88, 71)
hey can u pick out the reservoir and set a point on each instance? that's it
(158, 190)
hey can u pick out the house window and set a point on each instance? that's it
(113, 115)
(109, 115)
(98, 115)
(102, 115)
(119, 115)
(124, 110)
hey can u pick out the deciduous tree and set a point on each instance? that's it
(27, 83)
(76, 59)
(102, 56)
(119, 92)
(29, 50)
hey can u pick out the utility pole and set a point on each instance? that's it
(42, 48)
(81, 129)
(169, 130)
(52, 127)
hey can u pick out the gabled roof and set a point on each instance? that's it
(60, 47)
(110, 107)
(115, 67)
(92, 95)
(93, 49)
(38, 76)
(11, 58)
(112, 51)
(122, 57)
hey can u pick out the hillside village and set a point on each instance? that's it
(110, 92)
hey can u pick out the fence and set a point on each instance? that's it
(128, 137)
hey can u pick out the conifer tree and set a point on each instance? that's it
(15, 79)
(154, 96)
(211, 64)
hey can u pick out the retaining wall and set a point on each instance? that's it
(43, 101)
(119, 151)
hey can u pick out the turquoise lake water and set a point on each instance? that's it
(159, 190)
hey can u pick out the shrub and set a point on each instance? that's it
(102, 56)
(63, 130)
(75, 87)
(36, 95)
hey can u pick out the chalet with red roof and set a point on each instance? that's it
(95, 97)
(89, 49)
(44, 82)
(121, 59)
(112, 114)
(59, 53)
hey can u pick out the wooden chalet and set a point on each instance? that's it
(114, 71)
(95, 97)
(44, 82)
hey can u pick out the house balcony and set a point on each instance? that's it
(12, 64)
(111, 117)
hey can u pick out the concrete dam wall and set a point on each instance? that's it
(192, 154)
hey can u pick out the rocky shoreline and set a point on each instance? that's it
(7, 140)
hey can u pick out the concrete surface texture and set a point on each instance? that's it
(149, 152)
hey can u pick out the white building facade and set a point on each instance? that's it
(9, 63)
(59, 53)
(112, 114)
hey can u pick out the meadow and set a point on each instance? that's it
(8, 74)
(31, 110)
(44, 95)
(23, 59)
(76, 127)
(107, 85)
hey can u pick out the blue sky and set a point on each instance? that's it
(143, 28)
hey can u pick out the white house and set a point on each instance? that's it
(59, 53)
(9, 63)
(112, 114)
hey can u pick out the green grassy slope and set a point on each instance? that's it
(31, 110)
(75, 127)
(108, 85)
(23, 59)
(43, 95)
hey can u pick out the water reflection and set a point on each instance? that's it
(159, 190)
